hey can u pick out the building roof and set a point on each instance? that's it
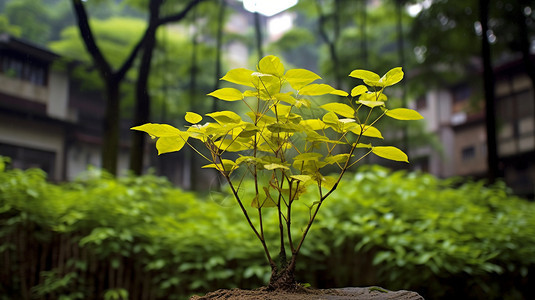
(23, 46)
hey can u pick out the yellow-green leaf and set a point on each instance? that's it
(340, 108)
(371, 103)
(404, 114)
(390, 152)
(303, 178)
(271, 65)
(225, 117)
(392, 77)
(266, 201)
(339, 93)
(366, 130)
(274, 166)
(373, 96)
(158, 130)
(227, 94)
(358, 90)
(330, 118)
(286, 97)
(365, 75)
(313, 124)
(298, 78)
(192, 117)
(316, 89)
(239, 76)
(226, 165)
(171, 143)
(339, 158)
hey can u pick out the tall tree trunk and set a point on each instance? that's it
(111, 127)
(112, 79)
(219, 46)
(258, 34)
(190, 154)
(524, 43)
(331, 42)
(488, 83)
(363, 34)
(401, 53)
(142, 105)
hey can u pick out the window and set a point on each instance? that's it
(468, 153)
(25, 158)
(421, 103)
(24, 69)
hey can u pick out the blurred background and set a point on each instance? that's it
(75, 75)
(67, 99)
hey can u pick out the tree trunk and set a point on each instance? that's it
(110, 137)
(283, 279)
(401, 53)
(142, 105)
(258, 34)
(112, 79)
(488, 82)
(219, 46)
(331, 42)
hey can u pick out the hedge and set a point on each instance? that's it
(140, 238)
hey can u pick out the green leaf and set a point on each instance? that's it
(358, 90)
(340, 108)
(328, 182)
(298, 78)
(404, 114)
(225, 117)
(271, 65)
(239, 76)
(192, 117)
(266, 201)
(316, 89)
(390, 152)
(365, 75)
(308, 156)
(303, 178)
(227, 94)
(283, 127)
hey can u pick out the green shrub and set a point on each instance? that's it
(396, 229)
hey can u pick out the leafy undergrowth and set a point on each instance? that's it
(395, 229)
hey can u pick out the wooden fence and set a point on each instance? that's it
(40, 264)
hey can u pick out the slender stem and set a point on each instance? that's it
(244, 211)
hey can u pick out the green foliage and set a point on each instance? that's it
(430, 235)
(442, 238)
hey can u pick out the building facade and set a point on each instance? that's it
(456, 116)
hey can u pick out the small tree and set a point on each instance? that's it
(284, 147)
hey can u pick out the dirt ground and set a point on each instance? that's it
(364, 293)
